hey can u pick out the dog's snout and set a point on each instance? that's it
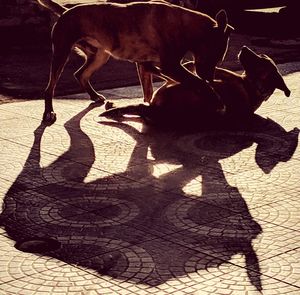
(280, 84)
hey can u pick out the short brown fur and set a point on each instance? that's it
(155, 35)
(177, 105)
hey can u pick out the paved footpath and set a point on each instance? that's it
(138, 211)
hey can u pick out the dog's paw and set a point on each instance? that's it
(109, 105)
(49, 118)
(99, 99)
(147, 100)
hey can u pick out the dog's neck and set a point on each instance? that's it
(256, 91)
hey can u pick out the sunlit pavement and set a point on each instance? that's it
(139, 211)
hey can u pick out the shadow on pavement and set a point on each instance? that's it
(133, 231)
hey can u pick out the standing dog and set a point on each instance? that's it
(178, 105)
(156, 35)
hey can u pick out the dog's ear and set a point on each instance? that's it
(222, 21)
(280, 84)
(190, 66)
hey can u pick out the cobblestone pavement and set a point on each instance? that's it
(142, 211)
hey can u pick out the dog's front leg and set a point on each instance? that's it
(145, 78)
(59, 59)
(145, 72)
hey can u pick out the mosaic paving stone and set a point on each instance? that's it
(26, 108)
(230, 279)
(255, 193)
(240, 151)
(4, 187)
(31, 214)
(284, 267)
(14, 127)
(16, 265)
(137, 206)
(30, 168)
(11, 169)
(284, 213)
(283, 175)
(231, 191)
(219, 194)
(32, 277)
(123, 262)
(7, 115)
(142, 211)
(197, 272)
(237, 234)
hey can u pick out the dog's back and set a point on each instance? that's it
(133, 31)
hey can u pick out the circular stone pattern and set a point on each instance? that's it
(123, 211)
(225, 144)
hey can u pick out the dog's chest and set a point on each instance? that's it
(234, 95)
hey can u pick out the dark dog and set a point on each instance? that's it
(155, 34)
(176, 104)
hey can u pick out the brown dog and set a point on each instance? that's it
(156, 35)
(176, 104)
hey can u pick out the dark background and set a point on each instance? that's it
(26, 48)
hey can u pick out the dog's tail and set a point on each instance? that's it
(53, 6)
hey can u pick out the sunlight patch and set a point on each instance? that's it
(161, 169)
(149, 154)
(241, 161)
(194, 187)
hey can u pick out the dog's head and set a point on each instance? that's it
(262, 72)
(214, 49)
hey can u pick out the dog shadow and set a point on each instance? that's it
(151, 230)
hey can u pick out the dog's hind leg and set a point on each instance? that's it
(93, 62)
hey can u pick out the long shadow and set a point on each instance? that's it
(150, 230)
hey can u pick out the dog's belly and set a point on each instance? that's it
(136, 52)
(135, 55)
(131, 49)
